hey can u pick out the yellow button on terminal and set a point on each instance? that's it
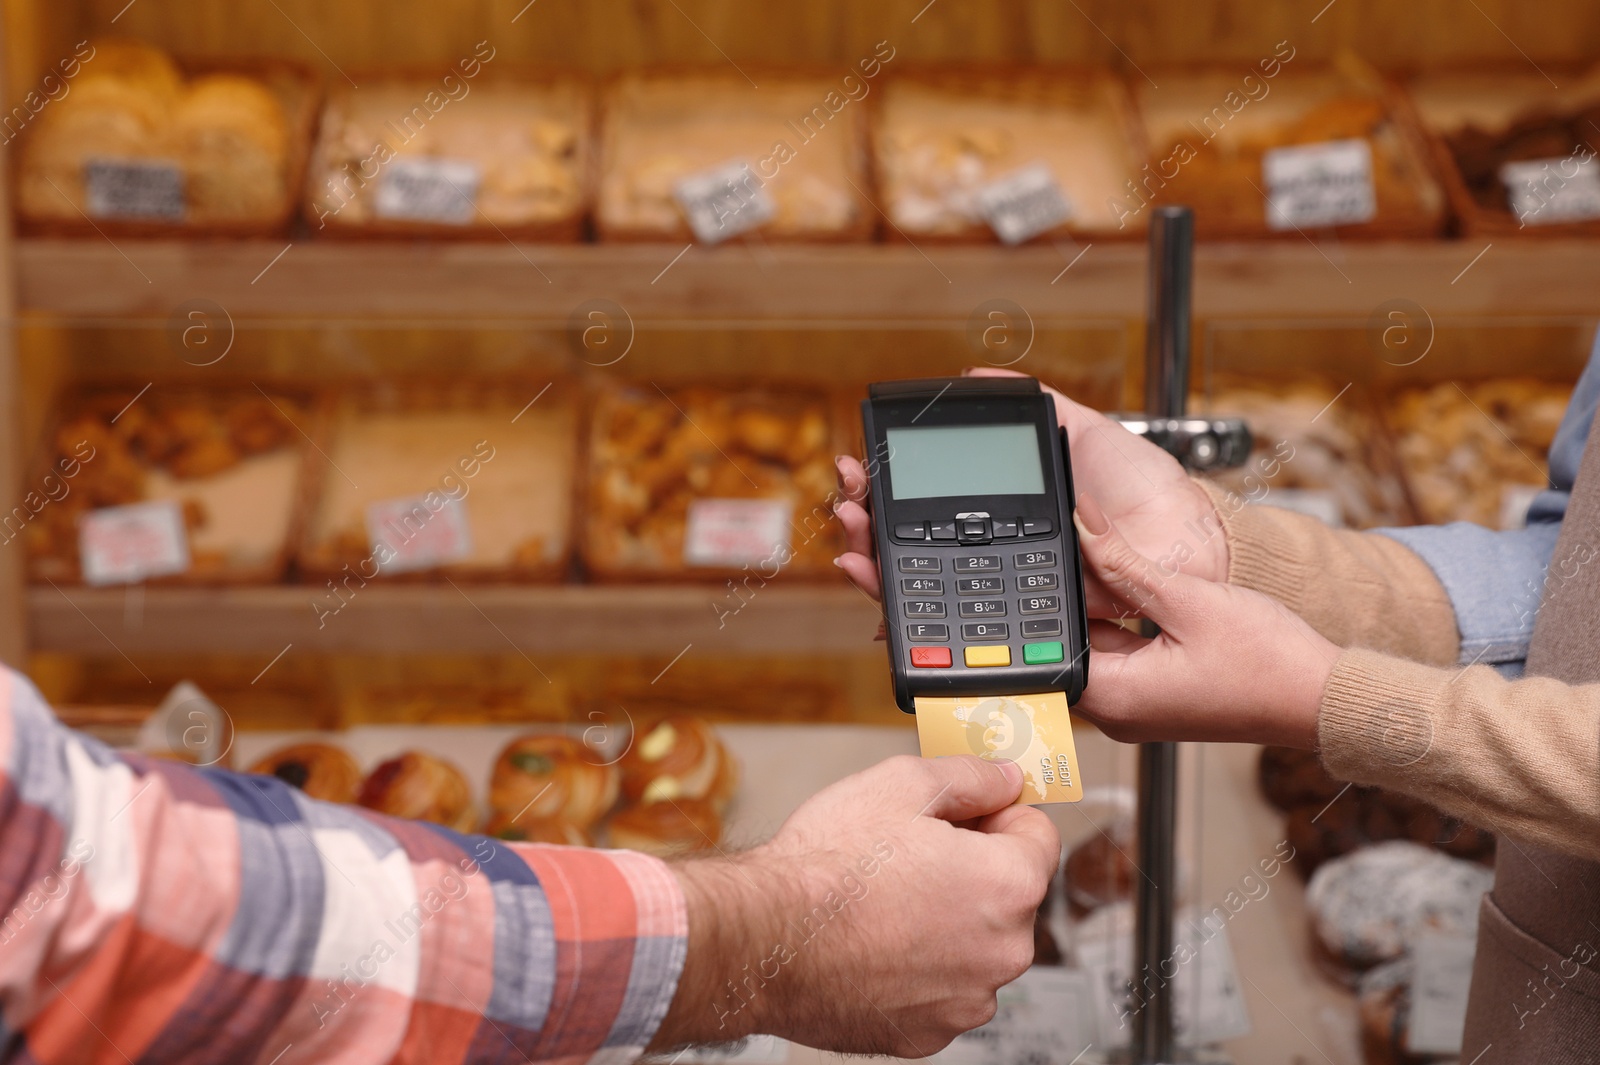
(989, 656)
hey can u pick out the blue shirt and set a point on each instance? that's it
(1496, 580)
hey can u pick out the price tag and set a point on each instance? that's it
(1208, 1004)
(1327, 184)
(421, 532)
(1045, 1015)
(724, 201)
(736, 532)
(1439, 993)
(133, 189)
(1023, 204)
(125, 545)
(429, 190)
(1542, 191)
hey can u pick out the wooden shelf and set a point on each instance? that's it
(804, 286)
(500, 619)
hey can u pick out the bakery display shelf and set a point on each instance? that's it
(775, 286)
(451, 618)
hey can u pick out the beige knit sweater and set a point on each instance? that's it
(1519, 757)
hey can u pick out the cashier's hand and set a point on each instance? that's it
(882, 917)
(1162, 512)
(1229, 665)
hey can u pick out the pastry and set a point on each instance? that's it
(1468, 449)
(550, 830)
(938, 142)
(321, 770)
(537, 778)
(1370, 906)
(520, 150)
(666, 829)
(806, 158)
(1098, 871)
(511, 466)
(232, 137)
(226, 135)
(421, 787)
(661, 462)
(676, 758)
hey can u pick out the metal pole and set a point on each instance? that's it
(1166, 391)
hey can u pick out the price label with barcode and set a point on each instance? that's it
(1023, 204)
(724, 201)
(418, 532)
(736, 532)
(133, 189)
(128, 544)
(1327, 184)
(1439, 993)
(1543, 191)
(429, 190)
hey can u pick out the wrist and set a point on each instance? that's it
(725, 991)
(1212, 560)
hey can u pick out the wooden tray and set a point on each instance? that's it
(1065, 90)
(729, 471)
(566, 229)
(330, 549)
(1292, 93)
(300, 94)
(296, 404)
(721, 84)
(1515, 91)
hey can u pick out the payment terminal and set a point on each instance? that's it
(971, 489)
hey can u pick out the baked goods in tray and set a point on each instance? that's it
(1215, 137)
(1315, 451)
(1484, 120)
(676, 758)
(138, 142)
(667, 829)
(492, 155)
(1371, 906)
(1477, 452)
(468, 478)
(801, 138)
(231, 460)
(321, 770)
(1327, 818)
(711, 481)
(940, 139)
(421, 787)
(552, 777)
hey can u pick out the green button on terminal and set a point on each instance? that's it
(1039, 654)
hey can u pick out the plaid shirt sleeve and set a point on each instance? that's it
(151, 911)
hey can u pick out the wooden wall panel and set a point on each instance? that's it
(607, 34)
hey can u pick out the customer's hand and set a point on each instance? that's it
(1229, 665)
(1164, 514)
(882, 917)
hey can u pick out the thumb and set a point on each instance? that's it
(967, 786)
(1132, 579)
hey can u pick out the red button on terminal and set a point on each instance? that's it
(931, 657)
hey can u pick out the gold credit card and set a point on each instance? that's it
(1034, 731)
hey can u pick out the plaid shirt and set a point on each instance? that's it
(154, 912)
